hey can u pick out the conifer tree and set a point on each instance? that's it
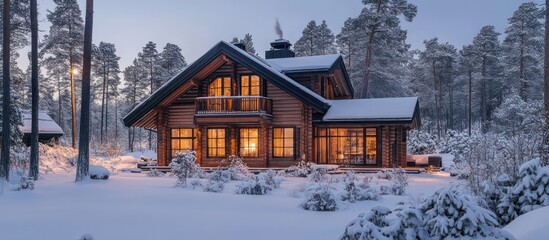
(172, 62)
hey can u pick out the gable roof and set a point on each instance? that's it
(403, 109)
(311, 64)
(255, 64)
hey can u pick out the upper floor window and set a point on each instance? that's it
(221, 86)
(250, 85)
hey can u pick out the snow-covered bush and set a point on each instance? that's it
(530, 192)
(155, 173)
(255, 186)
(320, 197)
(318, 175)
(409, 224)
(421, 142)
(302, 169)
(357, 192)
(238, 169)
(451, 213)
(220, 175)
(214, 186)
(25, 183)
(183, 165)
(456, 143)
(86, 237)
(398, 181)
(370, 225)
(195, 183)
(260, 184)
(99, 172)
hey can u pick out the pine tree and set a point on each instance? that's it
(522, 55)
(134, 91)
(467, 65)
(106, 68)
(307, 44)
(488, 52)
(62, 52)
(326, 40)
(5, 151)
(347, 42)
(149, 61)
(384, 43)
(172, 62)
(83, 162)
(248, 43)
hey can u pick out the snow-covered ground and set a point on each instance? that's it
(531, 225)
(135, 206)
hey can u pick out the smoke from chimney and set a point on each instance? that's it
(278, 30)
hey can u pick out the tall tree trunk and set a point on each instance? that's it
(6, 101)
(103, 101)
(107, 108)
(116, 119)
(60, 104)
(523, 82)
(483, 104)
(545, 147)
(152, 84)
(82, 170)
(73, 100)
(451, 104)
(33, 167)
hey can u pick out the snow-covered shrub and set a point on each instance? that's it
(409, 224)
(25, 183)
(357, 192)
(451, 213)
(421, 142)
(238, 169)
(195, 183)
(398, 181)
(456, 143)
(255, 186)
(370, 225)
(155, 173)
(86, 237)
(183, 165)
(272, 178)
(318, 175)
(302, 169)
(530, 192)
(214, 186)
(320, 197)
(99, 172)
(220, 175)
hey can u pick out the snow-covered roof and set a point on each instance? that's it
(372, 109)
(303, 64)
(46, 125)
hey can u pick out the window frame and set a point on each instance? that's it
(294, 145)
(208, 147)
(249, 92)
(223, 79)
(193, 139)
(240, 147)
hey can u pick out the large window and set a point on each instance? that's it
(249, 142)
(347, 145)
(217, 142)
(183, 139)
(283, 142)
(221, 86)
(250, 85)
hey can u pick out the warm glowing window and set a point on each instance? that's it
(183, 139)
(216, 142)
(249, 142)
(221, 86)
(283, 142)
(250, 85)
(347, 145)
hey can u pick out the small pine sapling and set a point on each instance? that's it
(238, 169)
(183, 166)
(370, 225)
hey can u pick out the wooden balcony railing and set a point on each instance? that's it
(233, 105)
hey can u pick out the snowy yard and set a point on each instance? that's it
(135, 206)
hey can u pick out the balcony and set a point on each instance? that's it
(233, 105)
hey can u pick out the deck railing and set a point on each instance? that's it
(233, 105)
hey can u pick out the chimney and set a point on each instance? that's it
(240, 45)
(280, 48)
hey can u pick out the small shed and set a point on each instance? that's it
(48, 130)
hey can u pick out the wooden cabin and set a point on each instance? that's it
(274, 112)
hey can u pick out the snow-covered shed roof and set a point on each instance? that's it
(46, 125)
(372, 110)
